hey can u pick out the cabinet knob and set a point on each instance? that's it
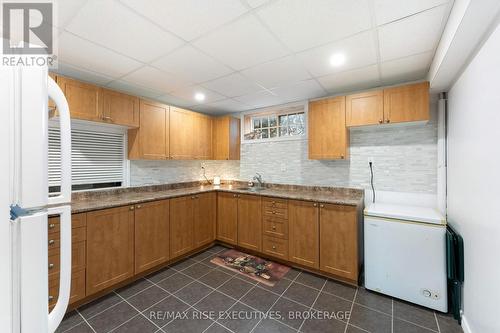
(239, 196)
(380, 121)
(274, 202)
(196, 197)
(274, 247)
(138, 206)
(51, 266)
(131, 208)
(274, 212)
(52, 226)
(387, 120)
(51, 298)
(51, 242)
(274, 227)
(315, 205)
(342, 157)
(322, 206)
(193, 197)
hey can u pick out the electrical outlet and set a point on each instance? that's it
(202, 165)
(370, 160)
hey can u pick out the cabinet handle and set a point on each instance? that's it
(239, 196)
(131, 207)
(51, 298)
(273, 212)
(315, 205)
(322, 206)
(51, 242)
(274, 247)
(52, 226)
(107, 118)
(138, 206)
(193, 197)
(388, 121)
(51, 266)
(235, 196)
(380, 121)
(274, 227)
(342, 157)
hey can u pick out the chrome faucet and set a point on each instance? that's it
(258, 178)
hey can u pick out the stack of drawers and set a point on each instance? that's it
(275, 227)
(78, 262)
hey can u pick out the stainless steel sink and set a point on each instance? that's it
(251, 189)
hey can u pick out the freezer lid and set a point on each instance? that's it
(405, 212)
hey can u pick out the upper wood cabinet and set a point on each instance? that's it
(227, 218)
(182, 125)
(303, 220)
(202, 137)
(250, 222)
(366, 108)
(120, 109)
(110, 247)
(339, 249)
(83, 99)
(328, 136)
(182, 225)
(152, 234)
(226, 138)
(151, 140)
(407, 103)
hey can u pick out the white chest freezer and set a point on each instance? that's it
(405, 253)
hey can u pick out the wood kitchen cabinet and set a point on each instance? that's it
(152, 234)
(119, 108)
(328, 135)
(303, 219)
(151, 140)
(339, 240)
(181, 225)
(110, 247)
(84, 99)
(366, 108)
(406, 103)
(202, 137)
(227, 218)
(249, 222)
(226, 138)
(204, 218)
(181, 134)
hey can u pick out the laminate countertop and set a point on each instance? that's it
(102, 199)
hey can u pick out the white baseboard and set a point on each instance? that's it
(465, 325)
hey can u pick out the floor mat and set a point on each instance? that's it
(258, 269)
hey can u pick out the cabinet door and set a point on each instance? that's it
(83, 99)
(234, 138)
(220, 139)
(339, 240)
(181, 134)
(365, 108)
(204, 219)
(151, 140)
(110, 247)
(120, 109)
(152, 234)
(328, 135)
(181, 226)
(303, 233)
(250, 222)
(227, 218)
(202, 137)
(407, 103)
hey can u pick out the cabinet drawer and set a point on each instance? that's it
(275, 203)
(276, 227)
(54, 225)
(275, 247)
(54, 264)
(53, 244)
(77, 291)
(276, 212)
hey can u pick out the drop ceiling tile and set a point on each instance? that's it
(187, 93)
(304, 24)
(359, 51)
(416, 34)
(391, 10)
(175, 101)
(133, 89)
(256, 3)
(117, 27)
(153, 78)
(84, 54)
(233, 85)
(66, 10)
(191, 64)
(299, 91)
(224, 106)
(81, 74)
(241, 44)
(406, 69)
(356, 79)
(259, 99)
(188, 19)
(278, 72)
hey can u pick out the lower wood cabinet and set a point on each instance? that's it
(249, 222)
(204, 218)
(303, 219)
(110, 247)
(152, 234)
(339, 240)
(181, 225)
(227, 218)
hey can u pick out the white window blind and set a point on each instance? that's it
(96, 158)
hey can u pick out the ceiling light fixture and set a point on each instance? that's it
(337, 59)
(200, 97)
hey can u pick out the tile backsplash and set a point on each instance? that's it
(404, 159)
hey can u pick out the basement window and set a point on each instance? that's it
(97, 159)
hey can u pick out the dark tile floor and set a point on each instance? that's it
(197, 296)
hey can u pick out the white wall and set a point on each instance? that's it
(474, 182)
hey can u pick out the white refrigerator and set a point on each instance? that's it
(25, 203)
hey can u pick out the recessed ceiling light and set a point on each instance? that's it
(337, 59)
(200, 97)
